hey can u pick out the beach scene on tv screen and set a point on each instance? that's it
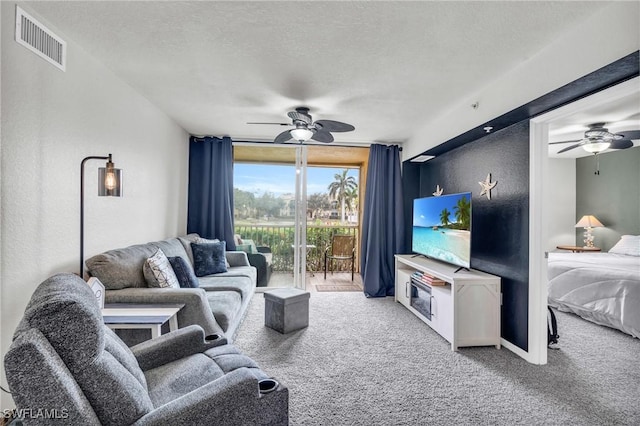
(442, 228)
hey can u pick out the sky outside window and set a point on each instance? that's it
(280, 179)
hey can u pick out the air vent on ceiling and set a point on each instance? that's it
(422, 158)
(39, 39)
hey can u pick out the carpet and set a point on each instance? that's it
(370, 361)
(329, 287)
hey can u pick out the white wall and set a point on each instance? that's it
(582, 50)
(50, 121)
(562, 202)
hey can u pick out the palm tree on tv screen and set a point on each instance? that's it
(463, 212)
(444, 217)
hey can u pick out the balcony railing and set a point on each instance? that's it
(279, 238)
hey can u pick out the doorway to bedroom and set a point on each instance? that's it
(290, 202)
(582, 203)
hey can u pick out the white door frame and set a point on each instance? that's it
(539, 185)
(300, 233)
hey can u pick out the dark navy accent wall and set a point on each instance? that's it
(500, 226)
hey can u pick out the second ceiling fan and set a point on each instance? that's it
(306, 128)
(598, 138)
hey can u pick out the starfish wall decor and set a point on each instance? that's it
(487, 186)
(438, 191)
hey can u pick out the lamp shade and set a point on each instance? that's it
(301, 134)
(109, 181)
(596, 147)
(589, 221)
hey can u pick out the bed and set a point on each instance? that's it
(600, 287)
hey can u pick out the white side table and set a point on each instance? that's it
(141, 316)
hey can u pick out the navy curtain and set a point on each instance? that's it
(383, 221)
(210, 207)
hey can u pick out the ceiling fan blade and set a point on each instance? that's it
(556, 143)
(570, 148)
(335, 126)
(322, 136)
(283, 137)
(630, 134)
(277, 124)
(621, 144)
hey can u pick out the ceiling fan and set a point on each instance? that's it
(306, 128)
(598, 138)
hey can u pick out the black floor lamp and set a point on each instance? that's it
(109, 185)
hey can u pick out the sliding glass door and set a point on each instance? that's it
(291, 201)
(270, 204)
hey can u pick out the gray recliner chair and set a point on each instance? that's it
(66, 367)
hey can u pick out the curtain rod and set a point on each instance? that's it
(258, 142)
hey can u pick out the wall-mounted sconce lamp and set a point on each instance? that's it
(109, 185)
(588, 222)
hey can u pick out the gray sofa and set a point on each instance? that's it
(218, 305)
(65, 366)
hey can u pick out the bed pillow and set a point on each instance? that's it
(208, 258)
(628, 244)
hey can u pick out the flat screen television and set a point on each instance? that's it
(442, 228)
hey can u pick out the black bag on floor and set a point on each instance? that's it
(552, 328)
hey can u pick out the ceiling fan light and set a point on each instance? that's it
(596, 147)
(301, 134)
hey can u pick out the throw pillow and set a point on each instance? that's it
(628, 244)
(184, 272)
(215, 240)
(162, 271)
(209, 258)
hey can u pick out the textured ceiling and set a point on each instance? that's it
(385, 67)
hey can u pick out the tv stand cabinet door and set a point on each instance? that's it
(403, 287)
(477, 313)
(442, 311)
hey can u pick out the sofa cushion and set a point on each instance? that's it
(186, 241)
(184, 272)
(172, 247)
(121, 268)
(239, 271)
(224, 282)
(161, 270)
(225, 306)
(208, 258)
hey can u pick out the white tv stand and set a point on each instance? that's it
(465, 311)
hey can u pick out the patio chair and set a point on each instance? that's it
(342, 248)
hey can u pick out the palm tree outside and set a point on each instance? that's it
(340, 187)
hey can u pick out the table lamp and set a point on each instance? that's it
(588, 222)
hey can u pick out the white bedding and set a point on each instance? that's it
(600, 287)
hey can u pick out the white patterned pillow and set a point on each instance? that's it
(628, 244)
(161, 271)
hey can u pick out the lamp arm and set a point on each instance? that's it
(84, 160)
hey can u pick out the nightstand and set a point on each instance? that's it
(578, 249)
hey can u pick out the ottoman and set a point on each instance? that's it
(286, 309)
